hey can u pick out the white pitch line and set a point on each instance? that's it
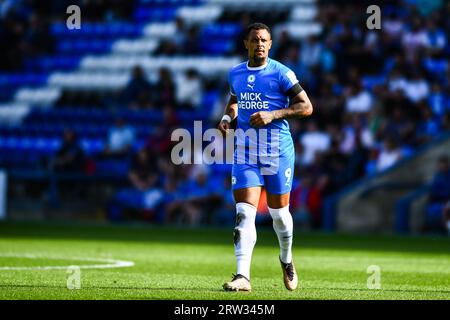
(109, 263)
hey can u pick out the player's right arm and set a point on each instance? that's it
(230, 113)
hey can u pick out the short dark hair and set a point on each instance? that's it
(257, 26)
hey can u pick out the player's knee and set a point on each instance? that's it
(245, 214)
(281, 217)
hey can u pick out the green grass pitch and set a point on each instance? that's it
(193, 263)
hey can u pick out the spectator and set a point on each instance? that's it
(311, 51)
(357, 159)
(167, 48)
(306, 203)
(353, 132)
(195, 202)
(141, 174)
(179, 38)
(69, 160)
(138, 91)
(390, 154)
(334, 163)
(393, 26)
(189, 90)
(414, 40)
(398, 126)
(313, 141)
(70, 157)
(292, 61)
(120, 141)
(165, 89)
(436, 39)
(159, 142)
(192, 42)
(437, 100)
(327, 57)
(396, 80)
(371, 165)
(416, 87)
(359, 100)
(428, 127)
(283, 45)
(143, 195)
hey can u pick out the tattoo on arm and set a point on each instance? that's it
(299, 107)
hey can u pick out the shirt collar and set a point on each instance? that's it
(258, 68)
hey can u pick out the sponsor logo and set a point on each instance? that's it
(252, 100)
(251, 81)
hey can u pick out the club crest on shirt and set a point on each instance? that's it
(251, 81)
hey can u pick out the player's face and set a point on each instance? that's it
(258, 44)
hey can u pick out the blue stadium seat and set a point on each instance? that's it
(222, 30)
(96, 29)
(22, 79)
(117, 167)
(92, 146)
(172, 2)
(82, 46)
(217, 47)
(189, 116)
(146, 14)
(52, 63)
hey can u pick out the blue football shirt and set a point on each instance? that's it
(257, 89)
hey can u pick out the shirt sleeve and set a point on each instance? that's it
(230, 83)
(287, 79)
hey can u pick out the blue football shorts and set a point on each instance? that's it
(275, 174)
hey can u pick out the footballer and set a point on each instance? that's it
(263, 95)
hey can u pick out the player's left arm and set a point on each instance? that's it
(299, 107)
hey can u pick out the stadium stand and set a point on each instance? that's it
(379, 95)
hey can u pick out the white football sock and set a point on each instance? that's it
(244, 237)
(283, 226)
